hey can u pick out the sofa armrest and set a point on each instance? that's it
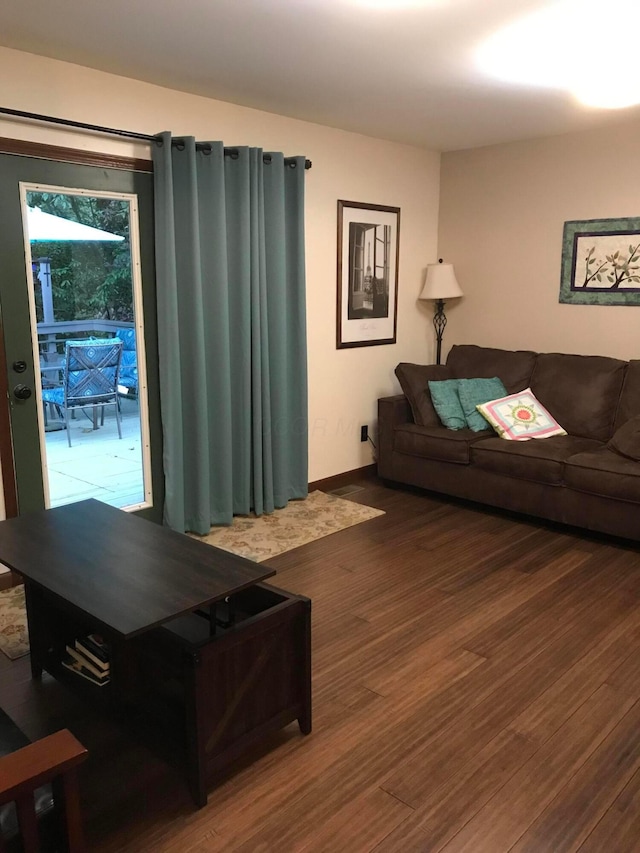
(395, 410)
(52, 759)
(392, 412)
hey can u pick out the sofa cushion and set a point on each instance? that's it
(474, 392)
(604, 473)
(580, 391)
(626, 439)
(520, 417)
(446, 402)
(414, 379)
(445, 445)
(629, 405)
(539, 461)
(513, 367)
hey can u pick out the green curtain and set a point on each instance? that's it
(232, 330)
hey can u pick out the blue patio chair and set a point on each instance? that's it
(129, 368)
(91, 375)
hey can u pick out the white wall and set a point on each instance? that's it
(501, 219)
(343, 384)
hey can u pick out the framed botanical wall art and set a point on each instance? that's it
(368, 243)
(601, 262)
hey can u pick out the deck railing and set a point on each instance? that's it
(50, 335)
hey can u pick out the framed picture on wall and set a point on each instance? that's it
(601, 262)
(368, 243)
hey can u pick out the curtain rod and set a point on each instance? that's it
(111, 131)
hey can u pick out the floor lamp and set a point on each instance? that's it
(440, 284)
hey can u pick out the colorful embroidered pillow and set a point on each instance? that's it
(519, 417)
(444, 396)
(472, 393)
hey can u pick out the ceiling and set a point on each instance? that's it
(405, 72)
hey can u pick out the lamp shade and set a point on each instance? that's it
(440, 283)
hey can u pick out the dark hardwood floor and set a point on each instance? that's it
(476, 683)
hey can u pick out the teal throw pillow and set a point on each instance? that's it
(475, 392)
(444, 396)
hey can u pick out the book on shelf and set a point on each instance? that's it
(72, 663)
(97, 646)
(88, 650)
(100, 674)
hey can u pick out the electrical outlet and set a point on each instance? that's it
(364, 433)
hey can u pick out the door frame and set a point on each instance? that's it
(7, 469)
(77, 157)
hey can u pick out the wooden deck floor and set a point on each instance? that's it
(98, 464)
(476, 685)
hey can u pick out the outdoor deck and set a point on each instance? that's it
(98, 464)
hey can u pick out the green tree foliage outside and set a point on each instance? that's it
(89, 279)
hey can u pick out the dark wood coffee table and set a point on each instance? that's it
(202, 653)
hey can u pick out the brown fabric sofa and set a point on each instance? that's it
(589, 478)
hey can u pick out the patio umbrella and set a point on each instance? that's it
(44, 227)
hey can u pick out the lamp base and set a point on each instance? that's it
(439, 322)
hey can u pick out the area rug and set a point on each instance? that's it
(257, 538)
(14, 639)
(299, 523)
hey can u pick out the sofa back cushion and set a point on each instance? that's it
(414, 379)
(581, 391)
(513, 367)
(629, 405)
(626, 439)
